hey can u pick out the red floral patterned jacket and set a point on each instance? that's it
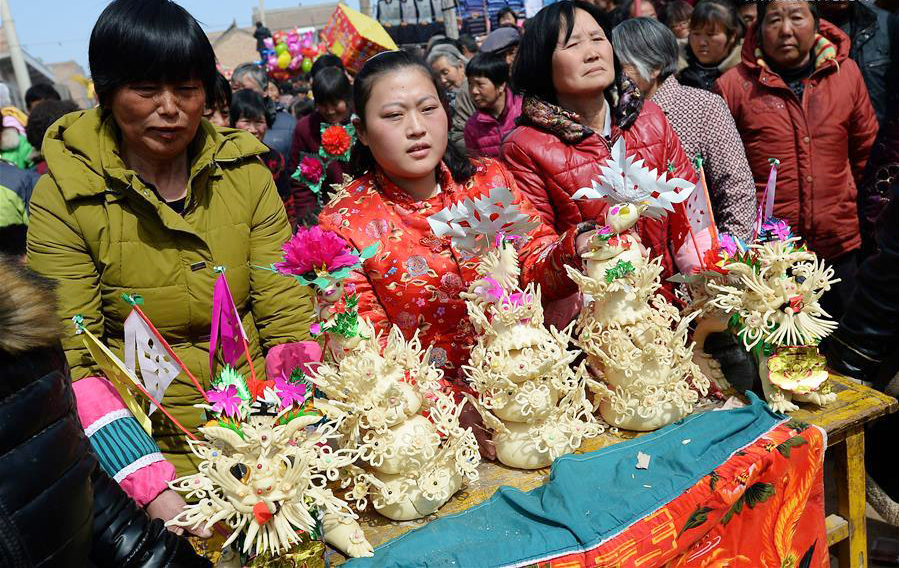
(415, 278)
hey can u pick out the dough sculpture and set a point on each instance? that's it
(635, 340)
(392, 410)
(263, 470)
(520, 372)
(768, 293)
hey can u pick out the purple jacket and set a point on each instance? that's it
(484, 134)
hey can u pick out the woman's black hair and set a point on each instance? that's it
(148, 40)
(323, 61)
(718, 13)
(468, 42)
(490, 66)
(503, 11)
(331, 85)
(220, 96)
(532, 70)
(361, 159)
(247, 103)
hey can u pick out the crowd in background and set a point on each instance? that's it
(708, 91)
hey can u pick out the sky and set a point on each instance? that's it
(59, 30)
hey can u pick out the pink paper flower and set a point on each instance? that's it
(311, 168)
(313, 249)
(225, 400)
(290, 393)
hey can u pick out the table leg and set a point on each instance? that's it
(850, 475)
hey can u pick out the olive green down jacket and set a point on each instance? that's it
(99, 231)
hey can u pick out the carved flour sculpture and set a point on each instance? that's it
(635, 339)
(404, 427)
(527, 392)
(265, 474)
(770, 291)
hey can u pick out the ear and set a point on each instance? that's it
(360, 130)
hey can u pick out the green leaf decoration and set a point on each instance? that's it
(714, 478)
(734, 510)
(758, 493)
(696, 518)
(620, 270)
(133, 299)
(797, 425)
(232, 426)
(228, 375)
(368, 251)
(793, 442)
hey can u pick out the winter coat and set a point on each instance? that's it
(57, 508)
(871, 30)
(463, 109)
(415, 278)
(692, 73)
(484, 134)
(16, 186)
(99, 231)
(551, 155)
(705, 127)
(280, 136)
(822, 141)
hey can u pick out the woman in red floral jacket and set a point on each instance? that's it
(415, 278)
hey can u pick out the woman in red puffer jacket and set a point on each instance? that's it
(567, 126)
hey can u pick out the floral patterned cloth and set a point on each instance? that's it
(415, 278)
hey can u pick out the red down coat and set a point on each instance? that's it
(415, 278)
(551, 155)
(822, 141)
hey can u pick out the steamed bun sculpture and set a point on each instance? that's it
(264, 471)
(527, 392)
(768, 293)
(635, 340)
(392, 410)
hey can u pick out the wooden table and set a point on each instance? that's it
(844, 421)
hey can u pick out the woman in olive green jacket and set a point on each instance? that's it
(145, 197)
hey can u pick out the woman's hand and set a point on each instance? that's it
(471, 417)
(166, 506)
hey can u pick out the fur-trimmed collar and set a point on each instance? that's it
(27, 309)
(567, 126)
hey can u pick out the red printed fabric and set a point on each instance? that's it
(415, 278)
(764, 507)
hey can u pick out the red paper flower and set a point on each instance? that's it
(311, 168)
(313, 248)
(336, 140)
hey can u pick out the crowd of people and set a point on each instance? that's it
(180, 170)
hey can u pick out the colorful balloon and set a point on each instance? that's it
(307, 65)
(272, 62)
(269, 43)
(281, 48)
(284, 60)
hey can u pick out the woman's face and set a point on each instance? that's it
(583, 65)
(642, 84)
(484, 93)
(647, 10)
(255, 126)
(451, 76)
(405, 124)
(788, 33)
(159, 120)
(710, 44)
(220, 117)
(680, 29)
(334, 112)
(508, 19)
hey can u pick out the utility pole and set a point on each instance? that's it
(15, 49)
(262, 12)
(365, 7)
(449, 19)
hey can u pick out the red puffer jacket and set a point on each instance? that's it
(822, 141)
(415, 278)
(551, 155)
